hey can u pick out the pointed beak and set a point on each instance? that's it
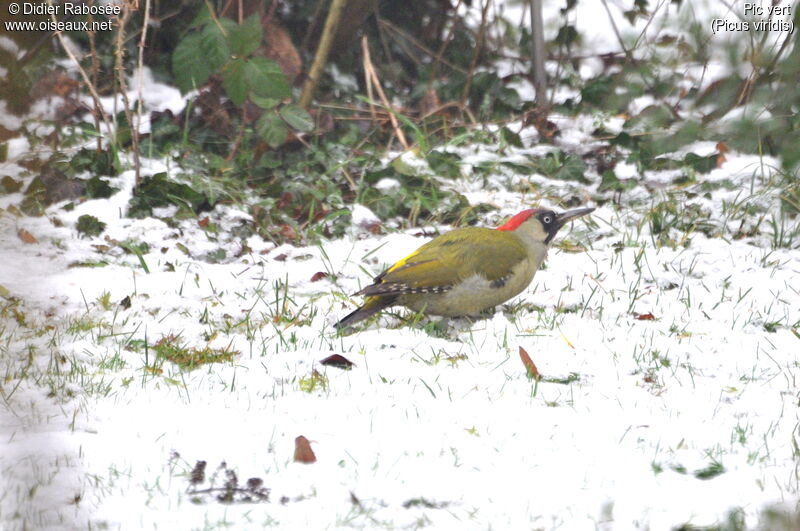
(565, 217)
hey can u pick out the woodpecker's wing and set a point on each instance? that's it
(448, 259)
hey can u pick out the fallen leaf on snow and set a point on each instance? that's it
(338, 361)
(533, 372)
(26, 236)
(722, 148)
(302, 451)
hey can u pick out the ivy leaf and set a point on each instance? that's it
(271, 128)
(557, 165)
(652, 117)
(701, 164)
(264, 103)
(234, 82)
(510, 137)
(572, 170)
(214, 45)
(567, 35)
(297, 118)
(265, 78)
(610, 182)
(245, 38)
(99, 188)
(188, 63)
(202, 18)
(444, 164)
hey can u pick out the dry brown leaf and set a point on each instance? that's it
(26, 236)
(722, 148)
(284, 200)
(287, 231)
(203, 223)
(644, 316)
(319, 275)
(374, 228)
(302, 451)
(533, 372)
(429, 102)
(279, 47)
(338, 361)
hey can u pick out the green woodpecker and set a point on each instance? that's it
(467, 270)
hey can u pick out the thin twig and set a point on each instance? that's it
(215, 18)
(312, 27)
(271, 12)
(478, 48)
(456, 104)
(321, 57)
(368, 83)
(440, 53)
(388, 25)
(139, 104)
(616, 29)
(781, 50)
(746, 90)
(226, 7)
(350, 181)
(647, 25)
(95, 62)
(238, 142)
(123, 88)
(371, 70)
(84, 75)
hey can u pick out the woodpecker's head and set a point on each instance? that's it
(541, 225)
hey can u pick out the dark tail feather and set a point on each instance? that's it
(372, 306)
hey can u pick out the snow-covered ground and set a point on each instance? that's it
(670, 390)
(644, 410)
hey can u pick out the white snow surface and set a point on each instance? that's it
(453, 420)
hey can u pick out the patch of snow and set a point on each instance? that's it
(156, 96)
(745, 112)
(18, 145)
(626, 170)
(8, 120)
(8, 44)
(363, 216)
(639, 104)
(387, 184)
(591, 67)
(345, 81)
(46, 109)
(524, 88)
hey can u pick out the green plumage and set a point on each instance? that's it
(449, 259)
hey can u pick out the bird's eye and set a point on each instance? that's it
(547, 219)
